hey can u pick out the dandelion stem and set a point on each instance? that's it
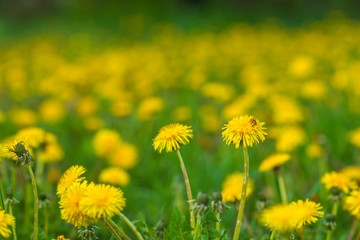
(353, 229)
(281, 182)
(188, 189)
(218, 222)
(131, 226)
(12, 227)
(335, 208)
(112, 230)
(243, 195)
(46, 221)
(13, 179)
(197, 228)
(247, 226)
(1, 195)
(272, 237)
(119, 230)
(36, 205)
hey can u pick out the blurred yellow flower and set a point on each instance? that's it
(125, 156)
(210, 121)
(338, 180)
(286, 110)
(232, 187)
(122, 108)
(105, 142)
(70, 176)
(314, 150)
(290, 138)
(273, 161)
(102, 200)
(221, 92)
(301, 66)
(61, 237)
(244, 131)
(23, 117)
(314, 90)
(86, 106)
(114, 176)
(279, 217)
(93, 123)
(354, 137)
(52, 110)
(172, 137)
(149, 107)
(51, 152)
(32, 136)
(6, 220)
(352, 203)
(182, 113)
(352, 172)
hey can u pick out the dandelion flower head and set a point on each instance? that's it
(352, 172)
(273, 161)
(70, 205)
(352, 203)
(61, 237)
(354, 137)
(102, 200)
(244, 131)
(232, 187)
(278, 217)
(114, 176)
(72, 175)
(172, 137)
(306, 212)
(338, 180)
(125, 156)
(105, 142)
(6, 220)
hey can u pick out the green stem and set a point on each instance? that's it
(353, 229)
(272, 237)
(113, 224)
(282, 187)
(197, 228)
(111, 229)
(36, 205)
(1, 195)
(218, 222)
(12, 227)
(46, 221)
(334, 211)
(130, 225)
(188, 189)
(243, 195)
(13, 179)
(39, 172)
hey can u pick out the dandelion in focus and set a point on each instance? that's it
(72, 175)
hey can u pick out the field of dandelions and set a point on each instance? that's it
(148, 133)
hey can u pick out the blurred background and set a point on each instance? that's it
(79, 69)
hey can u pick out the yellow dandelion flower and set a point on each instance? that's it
(106, 142)
(86, 106)
(352, 172)
(61, 237)
(70, 205)
(125, 156)
(114, 176)
(102, 201)
(6, 220)
(339, 180)
(34, 137)
(232, 187)
(172, 137)
(182, 113)
(149, 107)
(306, 212)
(244, 130)
(352, 203)
(314, 150)
(71, 176)
(278, 217)
(52, 110)
(23, 117)
(354, 137)
(273, 161)
(290, 138)
(52, 152)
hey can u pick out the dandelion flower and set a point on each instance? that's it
(106, 142)
(352, 203)
(279, 217)
(114, 176)
(354, 137)
(232, 187)
(314, 150)
(102, 201)
(290, 138)
(61, 237)
(244, 130)
(71, 176)
(338, 180)
(33, 136)
(172, 137)
(70, 205)
(352, 172)
(306, 212)
(6, 220)
(273, 161)
(125, 156)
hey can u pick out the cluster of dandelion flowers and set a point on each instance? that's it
(172, 137)
(102, 200)
(286, 217)
(338, 180)
(244, 131)
(70, 205)
(6, 220)
(232, 187)
(273, 161)
(72, 175)
(61, 237)
(352, 203)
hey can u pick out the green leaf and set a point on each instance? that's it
(150, 232)
(179, 229)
